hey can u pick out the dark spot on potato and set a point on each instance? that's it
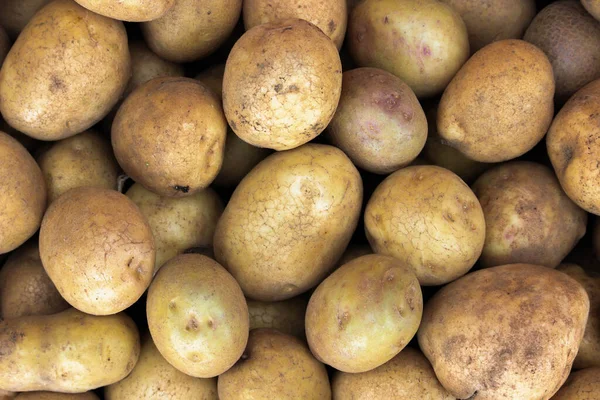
(130, 261)
(192, 324)
(453, 344)
(343, 320)
(426, 51)
(208, 12)
(286, 28)
(567, 154)
(9, 341)
(278, 87)
(331, 26)
(172, 305)
(233, 125)
(180, 188)
(56, 84)
(386, 20)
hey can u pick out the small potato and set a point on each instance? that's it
(129, 10)
(4, 45)
(275, 366)
(68, 352)
(581, 385)
(145, 66)
(15, 14)
(197, 316)
(428, 218)
(286, 316)
(593, 7)
(379, 122)
(56, 396)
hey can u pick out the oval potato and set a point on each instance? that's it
(129, 10)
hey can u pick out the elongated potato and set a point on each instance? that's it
(56, 396)
(129, 10)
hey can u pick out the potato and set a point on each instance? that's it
(145, 66)
(98, 249)
(289, 221)
(23, 194)
(64, 73)
(406, 376)
(197, 316)
(286, 316)
(525, 323)
(192, 29)
(428, 218)
(4, 45)
(85, 159)
(275, 366)
(25, 288)
(581, 385)
(67, 352)
(423, 42)
(282, 84)
(129, 10)
(379, 122)
(329, 16)
(528, 217)
(178, 224)
(56, 396)
(593, 7)
(15, 14)
(153, 378)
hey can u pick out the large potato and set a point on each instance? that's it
(364, 313)
(286, 316)
(275, 366)
(289, 221)
(15, 14)
(423, 42)
(67, 352)
(430, 219)
(581, 385)
(98, 249)
(500, 104)
(65, 72)
(56, 396)
(593, 7)
(129, 10)
(508, 332)
(282, 84)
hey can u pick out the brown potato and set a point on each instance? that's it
(379, 122)
(423, 42)
(145, 66)
(528, 217)
(56, 396)
(275, 366)
(428, 218)
(289, 221)
(15, 14)
(282, 84)
(581, 385)
(507, 332)
(98, 249)
(286, 316)
(65, 72)
(129, 10)
(593, 7)
(4, 45)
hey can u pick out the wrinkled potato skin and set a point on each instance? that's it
(581, 385)
(67, 352)
(145, 66)
(406, 376)
(78, 65)
(275, 366)
(129, 10)
(23, 194)
(98, 249)
(289, 221)
(15, 14)
(528, 217)
(286, 316)
(4, 45)
(364, 313)
(525, 325)
(430, 219)
(56, 396)
(593, 7)
(282, 84)
(500, 104)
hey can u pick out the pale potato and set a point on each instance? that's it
(15, 14)
(286, 316)
(581, 385)
(129, 10)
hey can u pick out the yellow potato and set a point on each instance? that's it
(15, 14)
(145, 66)
(56, 396)
(593, 7)
(286, 316)
(581, 385)
(129, 10)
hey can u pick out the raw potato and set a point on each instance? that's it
(56, 396)
(282, 84)
(528, 217)
(15, 14)
(4, 45)
(153, 378)
(192, 29)
(85, 159)
(329, 16)
(525, 323)
(286, 316)
(145, 66)
(275, 366)
(423, 42)
(98, 249)
(65, 72)
(178, 224)
(379, 122)
(581, 385)
(289, 221)
(197, 316)
(406, 376)
(23, 194)
(129, 10)
(364, 313)
(428, 218)
(593, 7)
(67, 352)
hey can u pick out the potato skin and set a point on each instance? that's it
(282, 84)
(593, 7)
(98, 249)
(129, 10)
(67, 352)
(512, 81)
(56, 396)
(275, 366)
(581, 385)
(286, 316)
(77, 68)
(525, 325)
(289, 221)
(145, 66)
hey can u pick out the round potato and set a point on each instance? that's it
(4, 45)
(593, 7)
(525, 323)
(289, 221)
(282, 84)
(286, 316)
(428, 218)
(23, 194)
(98, 249)
(129, 10)
(145, 66)
(15, 14)
(364, 313)
(581, 385)
(423, 42)
(65, 72)
(275, 366)
(197, 316)
(56, 396)
(379, 122)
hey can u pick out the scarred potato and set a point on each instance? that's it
(129, 10)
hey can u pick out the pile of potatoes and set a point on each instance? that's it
(299, 199)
